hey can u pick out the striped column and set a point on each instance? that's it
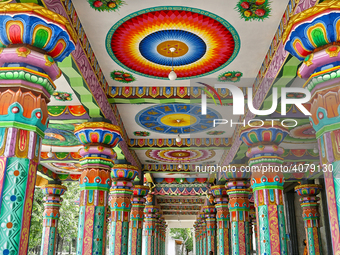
(315, 45)
(238, 191)
(120, 194)
(204, 235)
(157, 233)
(33, 40)
(311, 216)
(98, 139)
(197, 242)
(149, 228)
(263, 139)
(222, 218)
(136, 219)
(51, 216)
(210, 218)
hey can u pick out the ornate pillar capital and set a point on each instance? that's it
(223, 219)
(313, 36)
(311, 215)
(267, 179)
(32, 40)
(238, 191)
(51, 216)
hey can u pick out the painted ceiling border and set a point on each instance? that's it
(88, 66)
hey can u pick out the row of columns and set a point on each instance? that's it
(232, 227)
(28, 61)
(125, 237)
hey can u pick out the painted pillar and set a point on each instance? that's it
(311, 216)
(252, 227)
(319, 52)
(222, 218)
(267, 183)
(149, 228)
(197, 242)
(30, 46)
(200, 233)
(164, 236)
(204, 234)
(238, 191)
(199, 228)
(98, 139)
(122, 175)
(157, 225)
(210, 218)
(163, 231)
(51, 216)
(136, 219)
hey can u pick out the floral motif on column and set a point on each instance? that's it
(238, 191)
(32, 40)
(98, 139)
(200, 221)
(267, 183)
(222, 218)
(157, 232)
(311, 216)
(149, 228)
(210, 218)
(51, 216)
(197, 241)
(204, 234)
(120, 194)
(317, 45)
(136, 219)
(162, 232)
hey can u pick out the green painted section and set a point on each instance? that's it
(79, 86)
(74, 121)
(241, 151)
(120, 154)
(39, 2)
(163, 101)
(285, 79)
(44, 176)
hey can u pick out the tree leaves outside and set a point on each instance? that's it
(186, 236)
(68, 221)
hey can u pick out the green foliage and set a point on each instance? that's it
(68, 221)
(36, 219)
(69, 212)
(184, 234)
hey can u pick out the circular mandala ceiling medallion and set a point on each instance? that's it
(204, 42)
(305, 131)
(176, 118)
(183, 156)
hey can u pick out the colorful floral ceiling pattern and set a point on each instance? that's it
(303, 132)
(253, 9)
(62, 96)
(176, 118)
(122, 76)
(180, 156)
(106, 5)
(204, 42)
(231, 76)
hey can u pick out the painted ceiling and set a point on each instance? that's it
(210, 39)
(123, 55)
